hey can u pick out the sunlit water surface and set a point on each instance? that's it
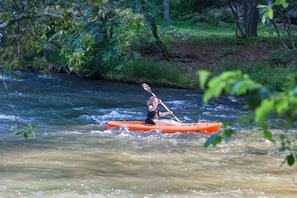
(75, 155)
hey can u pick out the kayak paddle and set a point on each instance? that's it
(147, 88)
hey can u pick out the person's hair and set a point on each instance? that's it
(150, 101)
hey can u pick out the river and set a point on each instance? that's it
(75, 155)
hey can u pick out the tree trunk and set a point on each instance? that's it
(166, 13)
(138, 7)
(165, 54)
(162, 47)
(252, 20)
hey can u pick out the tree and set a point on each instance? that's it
(33, 27)
(150, 17)
(277, 12)
(250, 17)
(263, 104)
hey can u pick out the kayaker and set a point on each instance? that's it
(153, 111)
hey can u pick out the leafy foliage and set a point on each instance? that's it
(32, 29)
(263, 103)
(40, 27)
(280, 9)
(217, 138)
(268, 9)
(234, 83)
(28, 131)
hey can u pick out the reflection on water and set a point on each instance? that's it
(75, 155)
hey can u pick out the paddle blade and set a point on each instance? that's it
(146, 87)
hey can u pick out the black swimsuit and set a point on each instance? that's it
(151, 115)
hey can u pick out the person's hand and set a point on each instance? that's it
(156, 101)
(160, 101)
(170, 112)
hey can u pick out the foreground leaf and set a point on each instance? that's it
(213, 140)
(267, 107)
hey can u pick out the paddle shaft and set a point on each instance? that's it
(150, 91)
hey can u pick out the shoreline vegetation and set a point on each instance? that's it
(122, 44)
(206, 47)
(191, 48)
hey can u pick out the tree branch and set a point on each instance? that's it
(233, 8)
(25, 16)
(279, 36)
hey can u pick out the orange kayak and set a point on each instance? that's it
(167, 128)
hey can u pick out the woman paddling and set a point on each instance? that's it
(154, 113)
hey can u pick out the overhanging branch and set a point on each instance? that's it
(25, 16)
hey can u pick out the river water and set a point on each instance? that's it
(75, 155)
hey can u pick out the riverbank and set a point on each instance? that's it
(190, 49)
(210, 56)
(265, 62)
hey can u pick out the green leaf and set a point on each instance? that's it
(213, 140)
(256, 96)
(268, 135)
(228, 134)
(267, 106)
(278, 2)
(281, 106)
(290, 160)
(282, 137)
(203, 76)
(267, 13)
(285, 4)
(210, 140)
(262, 6)
(216, 86)
(217, 140)
(270, 13)
(242, 86)
(263, 19)
(19, 133)
(281, 2)
(237, 88)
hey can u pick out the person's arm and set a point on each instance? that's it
(165, 113)
(154, 105)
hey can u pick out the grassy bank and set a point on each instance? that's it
(272, 72)
(158, 73)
